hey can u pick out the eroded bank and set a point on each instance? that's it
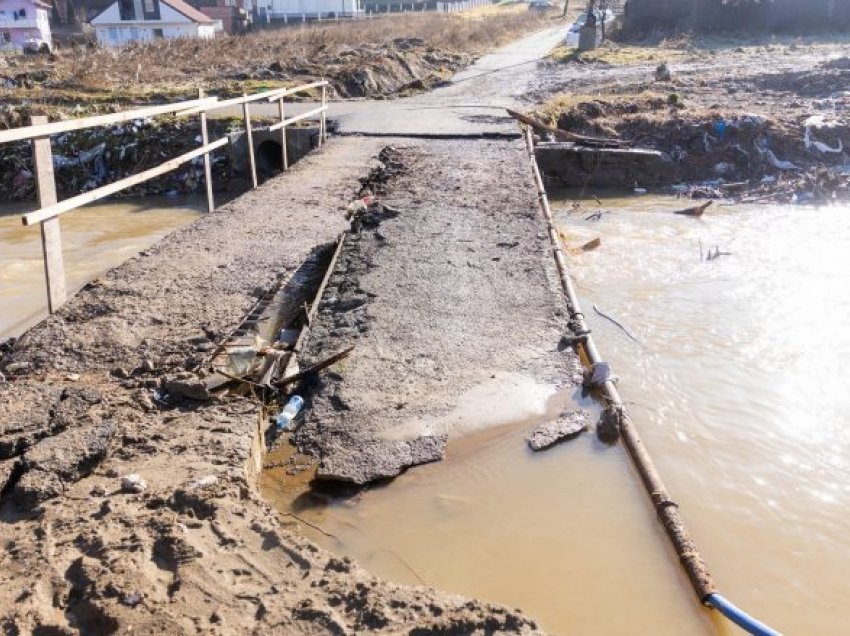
(187, 545)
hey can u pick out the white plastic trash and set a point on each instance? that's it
(285, 417)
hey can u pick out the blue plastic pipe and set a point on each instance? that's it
(739, 617)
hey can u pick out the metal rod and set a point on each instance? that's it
(667, 509)
(323, 131)
(284, 155)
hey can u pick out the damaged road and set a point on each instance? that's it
(443, 286)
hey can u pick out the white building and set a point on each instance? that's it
(126, 21)
(310, 9)
(22, 20)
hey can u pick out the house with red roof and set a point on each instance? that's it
(127, 21)
(22, 20)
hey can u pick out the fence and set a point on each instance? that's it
(50, 209)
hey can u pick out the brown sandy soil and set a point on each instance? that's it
(187, 547)
(765, 90)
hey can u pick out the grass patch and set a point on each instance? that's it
(615, 54)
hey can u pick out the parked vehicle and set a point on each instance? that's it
(36, 45)
(541, 5)
(572, 33)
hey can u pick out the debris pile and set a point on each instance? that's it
(87, 159)
(716, 154)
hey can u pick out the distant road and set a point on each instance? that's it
(473, 104)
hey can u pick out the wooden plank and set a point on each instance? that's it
(51, 211)
(298, 89)
(270, 96)
(565, 135)
(292, 120)
(234, 101)
(205, 139)
(51, 238)
(45, 129)
(284, 153)
(314, 307)
(324, 364)
(249, 135)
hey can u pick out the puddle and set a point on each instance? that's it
(506, 399)
(94, 239)
(738, 392)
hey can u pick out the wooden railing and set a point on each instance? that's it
(49, 208)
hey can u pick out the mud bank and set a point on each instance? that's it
(772, 135)
(444, 287)
(127, 508)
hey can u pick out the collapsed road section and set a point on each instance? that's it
(445, 285)
(127, 505)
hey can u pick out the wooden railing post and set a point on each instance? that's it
(323, 127)
(205, 139)
(284, 156)
(249, 134)
(51, 239)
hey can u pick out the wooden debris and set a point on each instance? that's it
(564, 135)
(696, 211)
(315, 368)
(615, 322)
(591, 245)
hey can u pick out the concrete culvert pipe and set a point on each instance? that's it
(269, 159)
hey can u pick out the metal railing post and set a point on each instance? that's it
(283, 152)
(51, 238)
(205, 139)
(249, 135)
(323, 129)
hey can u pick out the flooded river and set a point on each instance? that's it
(737, 387)
(94, 239)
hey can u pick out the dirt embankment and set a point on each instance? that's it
(756, 121)
(125, 507)
(366, 58)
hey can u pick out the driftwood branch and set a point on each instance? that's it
(315, 368)
(311, 525)
(618, 324)
(564, 135)
(697, 211)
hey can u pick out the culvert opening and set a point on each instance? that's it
(269, 159)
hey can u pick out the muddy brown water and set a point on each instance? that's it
(94, 239)
(738, 390)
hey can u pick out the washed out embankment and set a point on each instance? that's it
(767, 124)
(445, 286)
(124, 507)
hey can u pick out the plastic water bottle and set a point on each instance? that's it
(285, 417)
